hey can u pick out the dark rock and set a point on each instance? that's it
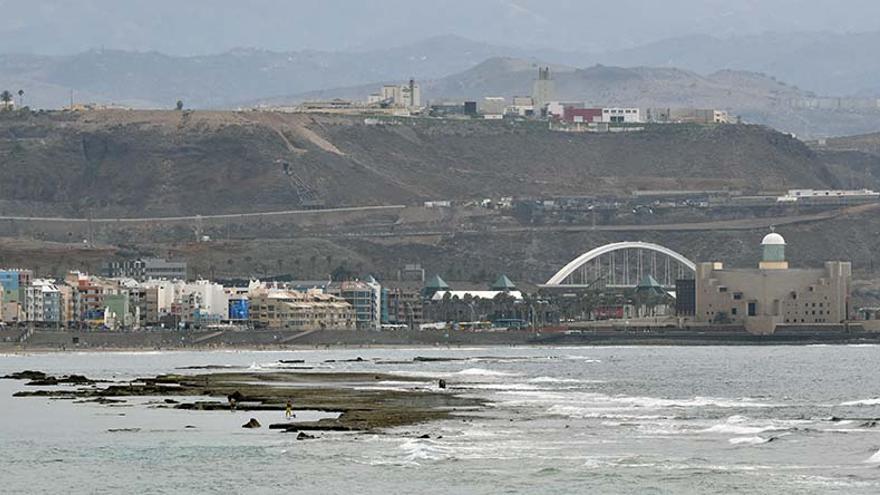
(869, 424)
(291, 361)
(442, 383)
(103, 400)
(422, 359)
(253, 423)
(43, 382)
(305, 436)
(124, 430)
(76, 379)
(26, 375)
(425, 436)
(171, 401)
(189, 427)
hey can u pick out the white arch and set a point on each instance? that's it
(587, 257)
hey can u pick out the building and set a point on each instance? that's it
(146, 269)
(43, 302)
(290, 309)
(365, 297)
(399, 96)
(493, 107)
(544, 90)
(523, 106)
(14, 283)
(618, 115)
(574, 115)
(773, 294)
(402, 303)
(88, 296)
(687, 116)
(829, 197)
(411, 272)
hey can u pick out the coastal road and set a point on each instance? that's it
(194, 218)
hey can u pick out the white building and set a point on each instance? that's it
(618, 115)
(402, 96)
(492, 107)
(206, 300)
(523, 106)
(43, 301)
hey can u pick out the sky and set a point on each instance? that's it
(197, 27)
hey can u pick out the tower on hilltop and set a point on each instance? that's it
(544, 91)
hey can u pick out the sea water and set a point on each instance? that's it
(560, 420)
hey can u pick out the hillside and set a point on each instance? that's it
(130, 163)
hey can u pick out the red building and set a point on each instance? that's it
(574, 115)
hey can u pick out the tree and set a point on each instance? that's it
(6, 99)
(179, 105)
(21, 98)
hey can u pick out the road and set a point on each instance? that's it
(193, 218)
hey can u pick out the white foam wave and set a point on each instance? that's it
(585, 359)
(874, 459)
(483, 372)
(425, 450)
(599, 413)
(749, 440)
(863, 402)
(550, 379)
(739, 429)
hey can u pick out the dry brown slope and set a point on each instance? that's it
(156, 163)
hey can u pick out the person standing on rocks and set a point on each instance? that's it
(288, 410)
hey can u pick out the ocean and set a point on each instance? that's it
(681, 420)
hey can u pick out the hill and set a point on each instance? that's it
(757, 97)
(143, 163)
(842, 64)
(156, 80)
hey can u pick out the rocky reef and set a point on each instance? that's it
(361, 404)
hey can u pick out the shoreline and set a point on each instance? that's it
(280, 341)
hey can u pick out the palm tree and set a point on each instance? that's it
(21, 98)
(6, 98)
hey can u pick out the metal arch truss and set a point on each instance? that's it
(624, 264)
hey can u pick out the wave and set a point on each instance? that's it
(483, 372)
(863, 402)
(425, 450)
(550, 379)
(599, 413)
(585, 359)
(740, 429)
(874, 459)
(750, 440)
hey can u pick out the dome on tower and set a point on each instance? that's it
(773, 239)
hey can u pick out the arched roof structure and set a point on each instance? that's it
(570, 268)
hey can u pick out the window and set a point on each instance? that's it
(733, 311)
(737, 296)
(722, 289)
(753, 309)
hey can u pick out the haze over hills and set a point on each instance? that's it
(821, 62)
(155, 80)
(201, 27)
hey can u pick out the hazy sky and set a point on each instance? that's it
(212, 26)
